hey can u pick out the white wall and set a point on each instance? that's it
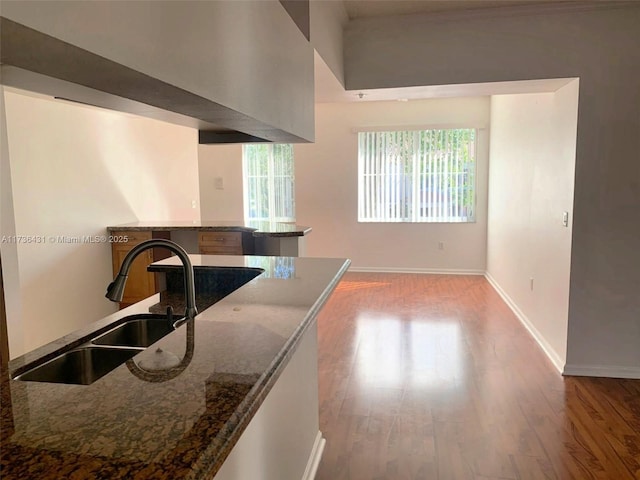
(598, 43)
(74, 171)
(326, 189)
(221, 162)
(531, 180)
(327, 196)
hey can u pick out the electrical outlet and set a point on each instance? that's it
(218, 183)
(193, 204)
(531, 283)
(565, 219)
(440, 245)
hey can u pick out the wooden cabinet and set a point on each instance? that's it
(220, 243)
(141, 283)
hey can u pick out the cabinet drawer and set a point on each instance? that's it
(220, 239)
(214, 250)
(133, 238)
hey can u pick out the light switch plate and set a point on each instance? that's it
(218, 183)
(565, 219)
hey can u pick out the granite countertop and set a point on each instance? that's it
(124, 427)
(257, 228)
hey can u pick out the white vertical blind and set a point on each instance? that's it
(269, 182)
(417, 176)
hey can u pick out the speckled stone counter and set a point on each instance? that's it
(211, 283)
(258, 229)
(124, 427)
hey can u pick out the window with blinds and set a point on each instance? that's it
(268, 182)
(417, 176)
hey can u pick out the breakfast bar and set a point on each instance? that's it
(250, 237)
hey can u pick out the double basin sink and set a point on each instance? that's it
(109, 349)
(94, 359)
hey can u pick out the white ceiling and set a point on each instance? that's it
(379, 8)
(328, 89)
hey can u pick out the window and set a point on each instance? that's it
(417, 176)
(268, 182)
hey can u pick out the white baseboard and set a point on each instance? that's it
(546, 348)
(432, 271)
(609, 371)
(314, 458)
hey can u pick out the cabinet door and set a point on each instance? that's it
(140, 284)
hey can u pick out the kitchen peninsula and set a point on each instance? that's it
(252, 237)
(204, 237)
(245, 406)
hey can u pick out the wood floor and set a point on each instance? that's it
(433, 377)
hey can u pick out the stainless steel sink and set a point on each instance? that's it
(81, 366)
(140, 331)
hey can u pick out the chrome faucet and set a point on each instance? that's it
(115, 290)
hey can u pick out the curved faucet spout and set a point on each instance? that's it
(115, 290)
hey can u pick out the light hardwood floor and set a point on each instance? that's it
(433, 377)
